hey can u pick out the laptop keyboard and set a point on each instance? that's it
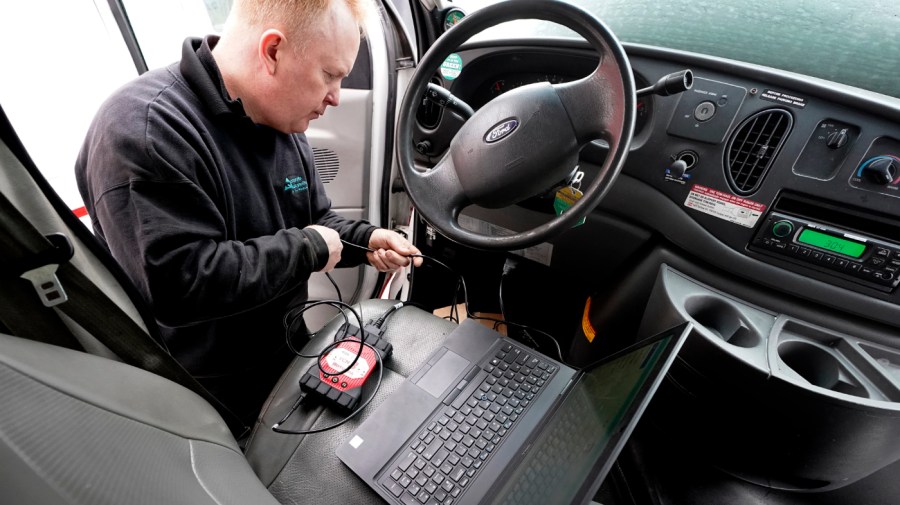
(551, 459)
(442, 459)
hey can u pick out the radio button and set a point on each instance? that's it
(855, 267)
(781, 246)
(829, 259)
(794, 248)
(816, 255)
(881, 251)
(841, 263)
(883, 276)
(805, 251)
(876, 261)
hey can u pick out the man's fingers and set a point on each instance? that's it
(388, 261)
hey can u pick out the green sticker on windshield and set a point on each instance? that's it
(451, 67)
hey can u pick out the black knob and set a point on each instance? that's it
(423, 147)
(782, 228)
(837, 140)
(881, 171)
(677, 169)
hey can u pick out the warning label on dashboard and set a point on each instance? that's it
(784, 98)
(731, 208)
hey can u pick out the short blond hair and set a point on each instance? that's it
(299, 16)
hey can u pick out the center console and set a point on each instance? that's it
(773, 399)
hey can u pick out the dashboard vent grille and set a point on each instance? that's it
(327, 164)
(753, 147)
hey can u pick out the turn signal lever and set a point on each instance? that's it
(442, 97)
(670, 84)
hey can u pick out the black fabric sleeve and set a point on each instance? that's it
(178, 258)
(170, 236)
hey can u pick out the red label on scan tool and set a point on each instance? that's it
(340, 358)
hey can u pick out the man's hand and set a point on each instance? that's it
(333, 241)
(391, 251)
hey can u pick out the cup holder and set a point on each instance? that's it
(818, 367)
(722, 320)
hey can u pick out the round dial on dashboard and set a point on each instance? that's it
(782, 228)
(453, 16)
(879, 170)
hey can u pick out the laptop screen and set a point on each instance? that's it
(580, 442)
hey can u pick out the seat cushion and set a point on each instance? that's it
(304, 468)
(81, 429)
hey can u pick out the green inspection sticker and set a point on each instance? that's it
(451, 67)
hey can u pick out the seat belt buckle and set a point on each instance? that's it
(43, 275)
(47, 284)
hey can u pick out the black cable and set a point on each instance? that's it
(336, 288)
(500, 295)
(508, 266)
(462, 282)
(294, 314)
(276, 429)
(394, 308)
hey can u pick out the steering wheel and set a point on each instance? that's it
(525, 141)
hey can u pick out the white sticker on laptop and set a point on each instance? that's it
(356, 441)
(731, 208)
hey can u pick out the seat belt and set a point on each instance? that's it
(44, 261)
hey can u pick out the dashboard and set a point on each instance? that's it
(791, 182)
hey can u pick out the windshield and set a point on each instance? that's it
(854, 43)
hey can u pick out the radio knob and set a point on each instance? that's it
(782, 228)
(881, 170)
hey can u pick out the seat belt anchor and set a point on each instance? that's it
(43, 275)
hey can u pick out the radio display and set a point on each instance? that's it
(831, 243)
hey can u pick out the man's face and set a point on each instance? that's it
(309, 78)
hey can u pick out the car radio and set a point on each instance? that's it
(848, 254)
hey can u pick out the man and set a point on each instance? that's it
(199, 180)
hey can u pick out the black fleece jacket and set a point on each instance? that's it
(205, 211)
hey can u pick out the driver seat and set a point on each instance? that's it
(79, 428)
(84, 427)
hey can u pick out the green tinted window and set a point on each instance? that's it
(855, 43)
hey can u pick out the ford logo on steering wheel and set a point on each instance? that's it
(501, 130)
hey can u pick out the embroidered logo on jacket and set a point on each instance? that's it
(295, 184)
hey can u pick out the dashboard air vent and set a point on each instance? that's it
(327, 164)
(753, 147)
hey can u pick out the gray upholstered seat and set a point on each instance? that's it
(77, 428)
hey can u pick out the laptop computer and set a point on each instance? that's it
(487, 420)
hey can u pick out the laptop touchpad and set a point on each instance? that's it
(442, 374)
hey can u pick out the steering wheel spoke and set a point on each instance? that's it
(441, 189)
(597, 103)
